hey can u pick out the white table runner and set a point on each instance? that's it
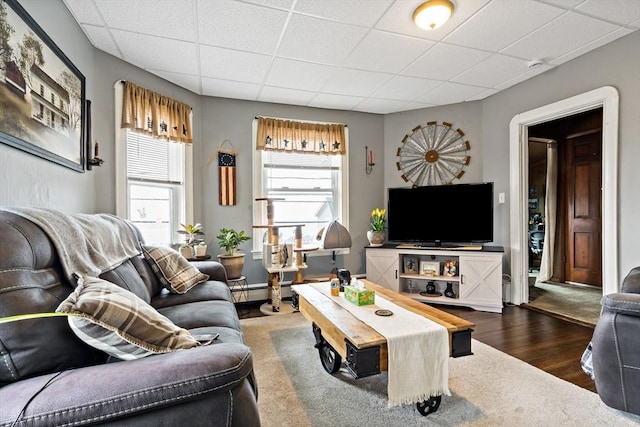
(418, 349)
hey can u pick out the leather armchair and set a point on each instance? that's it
(616, 347)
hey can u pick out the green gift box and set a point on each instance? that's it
(359, 296)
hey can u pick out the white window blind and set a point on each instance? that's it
(150, 159)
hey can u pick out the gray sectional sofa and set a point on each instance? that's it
(49, 376)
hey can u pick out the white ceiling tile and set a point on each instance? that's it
(182, 54)
(450, 93)
(380, 106)
(415, 106)
(524, 76)
(228, 89)
(173, 19)
(560, 37)
(299, 75)
(445, 61)
(101, 38)
(285, 96)
(360, 12)
(355, 83)
(235, 25)
(492, 71)
(501, 23)
(85, 12)
(315, 40)
(336, 102)
(483, 95)
(618, 11)
(229, 64)
(398, 51)
(565, 4)
(405, 88)
(608, 38)
(187, 81)
(276, 4)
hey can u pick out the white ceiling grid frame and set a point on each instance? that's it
(356, 55)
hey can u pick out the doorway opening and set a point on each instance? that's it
(605, 98)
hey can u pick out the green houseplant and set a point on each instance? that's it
(233, 261)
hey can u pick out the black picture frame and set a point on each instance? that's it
(42, 94)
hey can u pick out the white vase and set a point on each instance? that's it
(376, 238)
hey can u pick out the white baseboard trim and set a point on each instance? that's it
(259, 291)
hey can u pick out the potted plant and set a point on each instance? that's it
(233, 261)
(376, 230)
(191, 231)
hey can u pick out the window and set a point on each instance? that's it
(313, 188)
(153, 184)
(155, 177)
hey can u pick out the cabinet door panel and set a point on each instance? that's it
(382, 268)
(481, 280)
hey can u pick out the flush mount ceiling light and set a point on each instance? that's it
(432, 14)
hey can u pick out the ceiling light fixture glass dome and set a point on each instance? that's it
(432, 14)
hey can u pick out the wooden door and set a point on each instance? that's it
(583, 170)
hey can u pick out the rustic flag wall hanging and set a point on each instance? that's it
(227, 193)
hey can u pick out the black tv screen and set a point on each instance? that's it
(441, 214)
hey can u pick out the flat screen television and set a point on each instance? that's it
(441, 215)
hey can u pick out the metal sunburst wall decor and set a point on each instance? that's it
(434, 154)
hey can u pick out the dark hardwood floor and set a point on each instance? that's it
(546, 342)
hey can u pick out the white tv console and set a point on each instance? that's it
(477, 281)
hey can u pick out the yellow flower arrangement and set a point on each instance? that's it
(377, 219)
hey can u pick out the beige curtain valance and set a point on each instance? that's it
(301, 137)
(146, 111)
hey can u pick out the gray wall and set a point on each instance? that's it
(29, 181)
(486, 124)
(231, 119)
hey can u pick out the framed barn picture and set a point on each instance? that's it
(42, 94)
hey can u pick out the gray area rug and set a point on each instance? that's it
(489, 388)
(581, 304)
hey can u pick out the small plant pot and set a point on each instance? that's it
(201, 250)
(186, 251)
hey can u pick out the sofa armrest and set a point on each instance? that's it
(622, 303)
(122, 389)
(631, 282)
(214, 269)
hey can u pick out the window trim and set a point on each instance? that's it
(122, 188)
(260, 208)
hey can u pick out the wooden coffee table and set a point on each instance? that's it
(341, 335)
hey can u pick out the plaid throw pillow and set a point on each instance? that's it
(172, 269)
(118, 322)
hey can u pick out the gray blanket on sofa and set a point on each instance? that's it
(87, 244)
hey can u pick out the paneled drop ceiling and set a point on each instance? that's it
(360, 55)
